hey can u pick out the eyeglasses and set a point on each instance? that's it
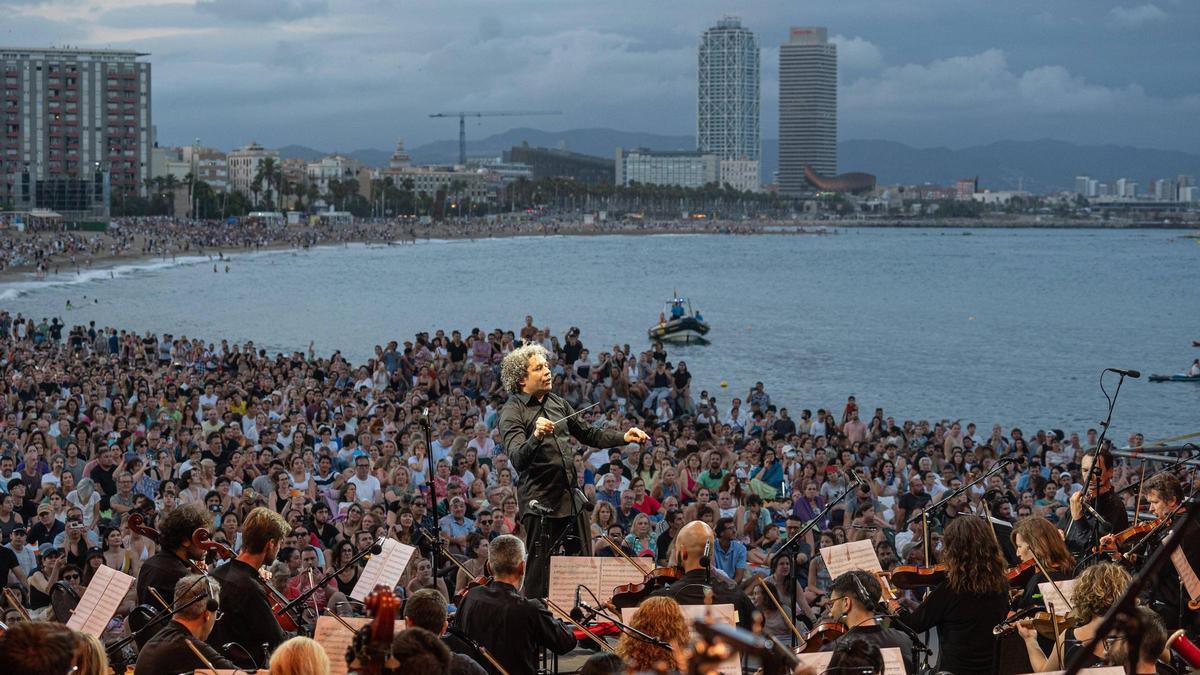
(70, 577)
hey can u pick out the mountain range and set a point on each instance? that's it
(1039, 166)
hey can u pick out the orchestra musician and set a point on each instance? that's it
(1167, 595)
(1036, 538)
(163, 570)
(426, 608)
(854, 597)
(38, 647)
(247, 617)
(171, 649)
(973, 599)
(694, 546)
(535, 434)
(1085, 529)
(499, 617)
(1097, 588)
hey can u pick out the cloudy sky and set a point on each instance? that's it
(348, 74)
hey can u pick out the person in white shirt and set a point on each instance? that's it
(368, 486)
(482, 443)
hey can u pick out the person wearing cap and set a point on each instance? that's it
(45, 575)
(25, 552)
(45, 527)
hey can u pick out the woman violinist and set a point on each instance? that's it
(972, 600)
(1039, 545)
(1095, 591)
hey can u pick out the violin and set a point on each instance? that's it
(1020, 574)
(822, 634)
(1125, 539)
(1041, 621)
(631, 595)
(917, 576)
(278, 601)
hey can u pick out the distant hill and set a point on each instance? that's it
(1038, 166)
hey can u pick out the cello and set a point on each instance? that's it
(370, 652)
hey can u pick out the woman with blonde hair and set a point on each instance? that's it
(90, 656)
(1096, 589)
(662, 618)
(300, 656)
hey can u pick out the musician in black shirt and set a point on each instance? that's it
(968, 605)
(248, 619)
(164, 569)
(694, 546)
(534, 426)
(512, 627)
(1084, 529)
(853, 599)
(171, 649)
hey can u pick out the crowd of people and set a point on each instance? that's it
(300, 462)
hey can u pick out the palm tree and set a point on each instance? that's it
(268, 173)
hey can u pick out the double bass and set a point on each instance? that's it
(370, 652)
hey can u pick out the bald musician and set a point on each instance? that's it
(694, 547)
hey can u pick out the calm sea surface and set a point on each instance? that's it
(1009, 326)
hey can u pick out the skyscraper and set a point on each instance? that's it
(72, 119)
(807, 108)
(727, 105)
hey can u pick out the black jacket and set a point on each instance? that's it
(512, 627)
(167, 653)
(247, 618)
(964, 622)
(547, 466)
(161, 572)
(691, 587)
(880, 637)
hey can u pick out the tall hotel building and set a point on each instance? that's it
(807, 108)
(727, 111)
(76, 124)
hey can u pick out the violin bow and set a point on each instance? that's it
(595, 638)
(617, 549)
(767, 591)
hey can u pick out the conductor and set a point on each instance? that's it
(534, 425)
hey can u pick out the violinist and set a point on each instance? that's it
(1167, 595)
(1038, 541)
(248, 619)
(1097, 588)
(511, 626)
(175, 549)
(853, 599)
(170, 650)
(972, 600)
(1085, 529)
(694, 547)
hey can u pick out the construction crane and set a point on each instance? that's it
(462, 116)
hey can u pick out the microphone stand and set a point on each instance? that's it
(794, 540)
(294, 604)
(1094, 469)
(116, 647)
(423, 420)
(1123, 608)
(1191, 447)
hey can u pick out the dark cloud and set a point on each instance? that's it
(264, 11)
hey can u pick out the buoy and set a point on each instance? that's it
(971, 318)
(724, 384)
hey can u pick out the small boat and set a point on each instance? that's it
(1177, 377)
(1196, 343)
(679, 324)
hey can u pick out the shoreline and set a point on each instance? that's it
(25, 274)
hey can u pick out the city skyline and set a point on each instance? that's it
(357, 73)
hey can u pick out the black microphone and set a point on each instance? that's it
(1135, 374)
(377, 547)
(1096, 514)
(576, 610)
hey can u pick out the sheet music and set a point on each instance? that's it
(855, 555)
(617, 571)
(1057, 595)
(893, 661)
(335, 639)
(722, 614)
(568, 572)
(100, 601)
(383, 569)
(1187, 573)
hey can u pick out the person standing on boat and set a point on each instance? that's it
(534, 424)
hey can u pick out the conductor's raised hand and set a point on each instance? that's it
(542, 427)
(636, 435)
